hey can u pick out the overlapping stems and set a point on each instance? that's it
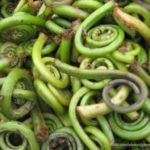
(100, 63)
(18, 94)
(98, 74)
(78, 128)
(105, 100)
(62, 80)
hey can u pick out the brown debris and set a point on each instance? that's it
(145, 65)
(1, 98)
(75, 22)
(1, 74)
(42, 134)
(23, 56)
(68, 34)
(57, 39)
(30, 74)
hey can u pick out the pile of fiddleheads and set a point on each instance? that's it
(74, 74)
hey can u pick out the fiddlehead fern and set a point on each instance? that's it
(19, 98)
(7, 9)
(93, 52)
(59, 80)
(52, 121)
(15, 135)
(127, 52)
(8, 56)
(28, 46)
(17, 28)
(64, 138)
(136, 130)
(113, 35)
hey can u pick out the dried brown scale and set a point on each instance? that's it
(113, 147)
(133, 66)
(1, 120)
(125, 47)
(53, 144)
(42, 134)
(145, 65)
(133, 60)
(148, 41)
(1, 74)
(68, 34)
(35, 4)
(1, 98)
(30, 74)
(123, 50)
(127, 65)
(57, 39)
(61, 141)
(84, 33)
(74, 23)
(136, 117)
(23, 55)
